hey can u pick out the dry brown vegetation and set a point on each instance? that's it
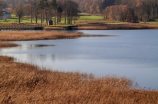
(39, 35)
(105, 26)
(22, 83)
(118, 26)
(27, 84)
(2, 44)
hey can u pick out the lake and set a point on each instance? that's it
(129, 53)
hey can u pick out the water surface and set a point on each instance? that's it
(132, 53)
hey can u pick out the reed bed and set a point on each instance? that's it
(117, 26)
(108, 26)
(22, 83)
(4, 45)
(39, 35)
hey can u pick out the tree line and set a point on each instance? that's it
(114, 10)
(132, 10)
(45, 10)
(121, 10)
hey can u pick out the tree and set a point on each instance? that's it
(59, 10)
(54, 7)
(19, 11)
(31, 8)
(1, 8)
(36, 10)
(72, 11)
(40, 6)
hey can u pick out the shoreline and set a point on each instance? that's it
(26, 83)
(22, 82)
(91, 26)
(128, 26)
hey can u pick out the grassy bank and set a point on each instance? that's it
(40, 35)
(107, 26)
(27, 84)
(4, 45)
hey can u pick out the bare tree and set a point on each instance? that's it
(70, 10)
(40, 6)
(1, 8)
(19, 11)
(31, 8)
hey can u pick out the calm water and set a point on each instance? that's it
(132, 53)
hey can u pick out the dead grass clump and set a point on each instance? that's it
(2, 44)
(24, 83)
(40, 35)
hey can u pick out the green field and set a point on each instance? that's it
(25, 19)
(155, 21)
(82, 17)
(90, 18)
(117, 23)
(58, 25)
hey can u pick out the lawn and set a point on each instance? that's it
(25, 19)
(117, 23)
(155, 21)
(90, 18)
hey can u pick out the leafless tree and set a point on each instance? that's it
(19, 11)
(1, 8)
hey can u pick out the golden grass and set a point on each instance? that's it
(27, 84)
(118, 26)
(3, 45)
(39, 35)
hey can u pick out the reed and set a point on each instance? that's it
(116, 26)
(4, 44)
(39, 35)
(22, 83)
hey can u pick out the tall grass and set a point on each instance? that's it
(21, 83)
(40, 35)
(4, 44)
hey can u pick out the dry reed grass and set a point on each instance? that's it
(40, 35)
(21, 83)
(4, 44)
(118, 26)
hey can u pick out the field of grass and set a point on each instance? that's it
(96, 18)
(84, 14)
(14, 19)
(26, 19)
(22, 83)
(116, 23)
(84, 18)
(61, 25)
(151, 21)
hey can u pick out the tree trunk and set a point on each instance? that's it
(31, 17)
(41, 17)
(65, 17)
(19, 20)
